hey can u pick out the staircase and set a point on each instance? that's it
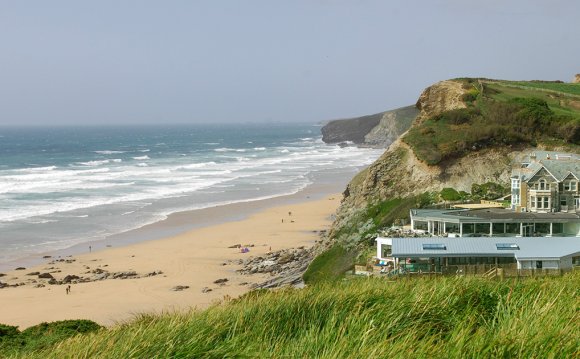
(490, 274)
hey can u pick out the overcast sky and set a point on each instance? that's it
(128, 62)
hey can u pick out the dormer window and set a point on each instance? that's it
(570, 185)
(543, 185)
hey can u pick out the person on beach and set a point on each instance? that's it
(68, 289)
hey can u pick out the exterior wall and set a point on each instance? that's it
(523, 195)
(572, 229)
(546, 264)
(566, 263)
(534, 192)
(569, 191)
(382, 245)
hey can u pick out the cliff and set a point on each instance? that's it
(378, 130)
(468, 131)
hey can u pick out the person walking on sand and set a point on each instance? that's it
(68, 289)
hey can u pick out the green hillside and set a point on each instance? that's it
(503, 113)
(363, 318)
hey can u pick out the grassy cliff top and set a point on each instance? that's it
(501, 113)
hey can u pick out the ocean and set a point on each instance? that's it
(62, 186)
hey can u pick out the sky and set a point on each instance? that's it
(161, 62)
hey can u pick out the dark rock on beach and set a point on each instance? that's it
(221, 281)
(124, 275)
(70, 278)
(179, 288)
(45, 276)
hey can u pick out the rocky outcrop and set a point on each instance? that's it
(392, 125)
(378, 130)
(442, 96)
(286, 266)
(576, 79)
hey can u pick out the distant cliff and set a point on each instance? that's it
(378, 130)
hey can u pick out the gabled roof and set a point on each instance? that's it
(537, 167)
(558, 165)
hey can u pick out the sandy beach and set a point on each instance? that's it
(194, 259)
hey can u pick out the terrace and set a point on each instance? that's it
(495, 222)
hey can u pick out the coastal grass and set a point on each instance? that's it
(330, 265)
(42, 335)
(562, 87)
(501, 114)
(456, 317)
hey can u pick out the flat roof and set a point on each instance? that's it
(492, 214)
(477, 205)
(527, 247)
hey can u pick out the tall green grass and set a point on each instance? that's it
(330, 265)
(360, 318)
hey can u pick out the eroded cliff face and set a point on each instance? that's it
(399, 173)
(378, 130)
(442, 96)
(391, 126)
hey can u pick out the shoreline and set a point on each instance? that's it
(195, 258)
(324, 183)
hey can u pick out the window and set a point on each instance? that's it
(515, 199)
(543, 185)
(563, 201)
(434, 246)
(543, 202)
(506, 246)
(570, 185)
(533, 202)
(515, 183)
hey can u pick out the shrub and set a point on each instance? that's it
(42, 335)
(450, 194)
(489, 190)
